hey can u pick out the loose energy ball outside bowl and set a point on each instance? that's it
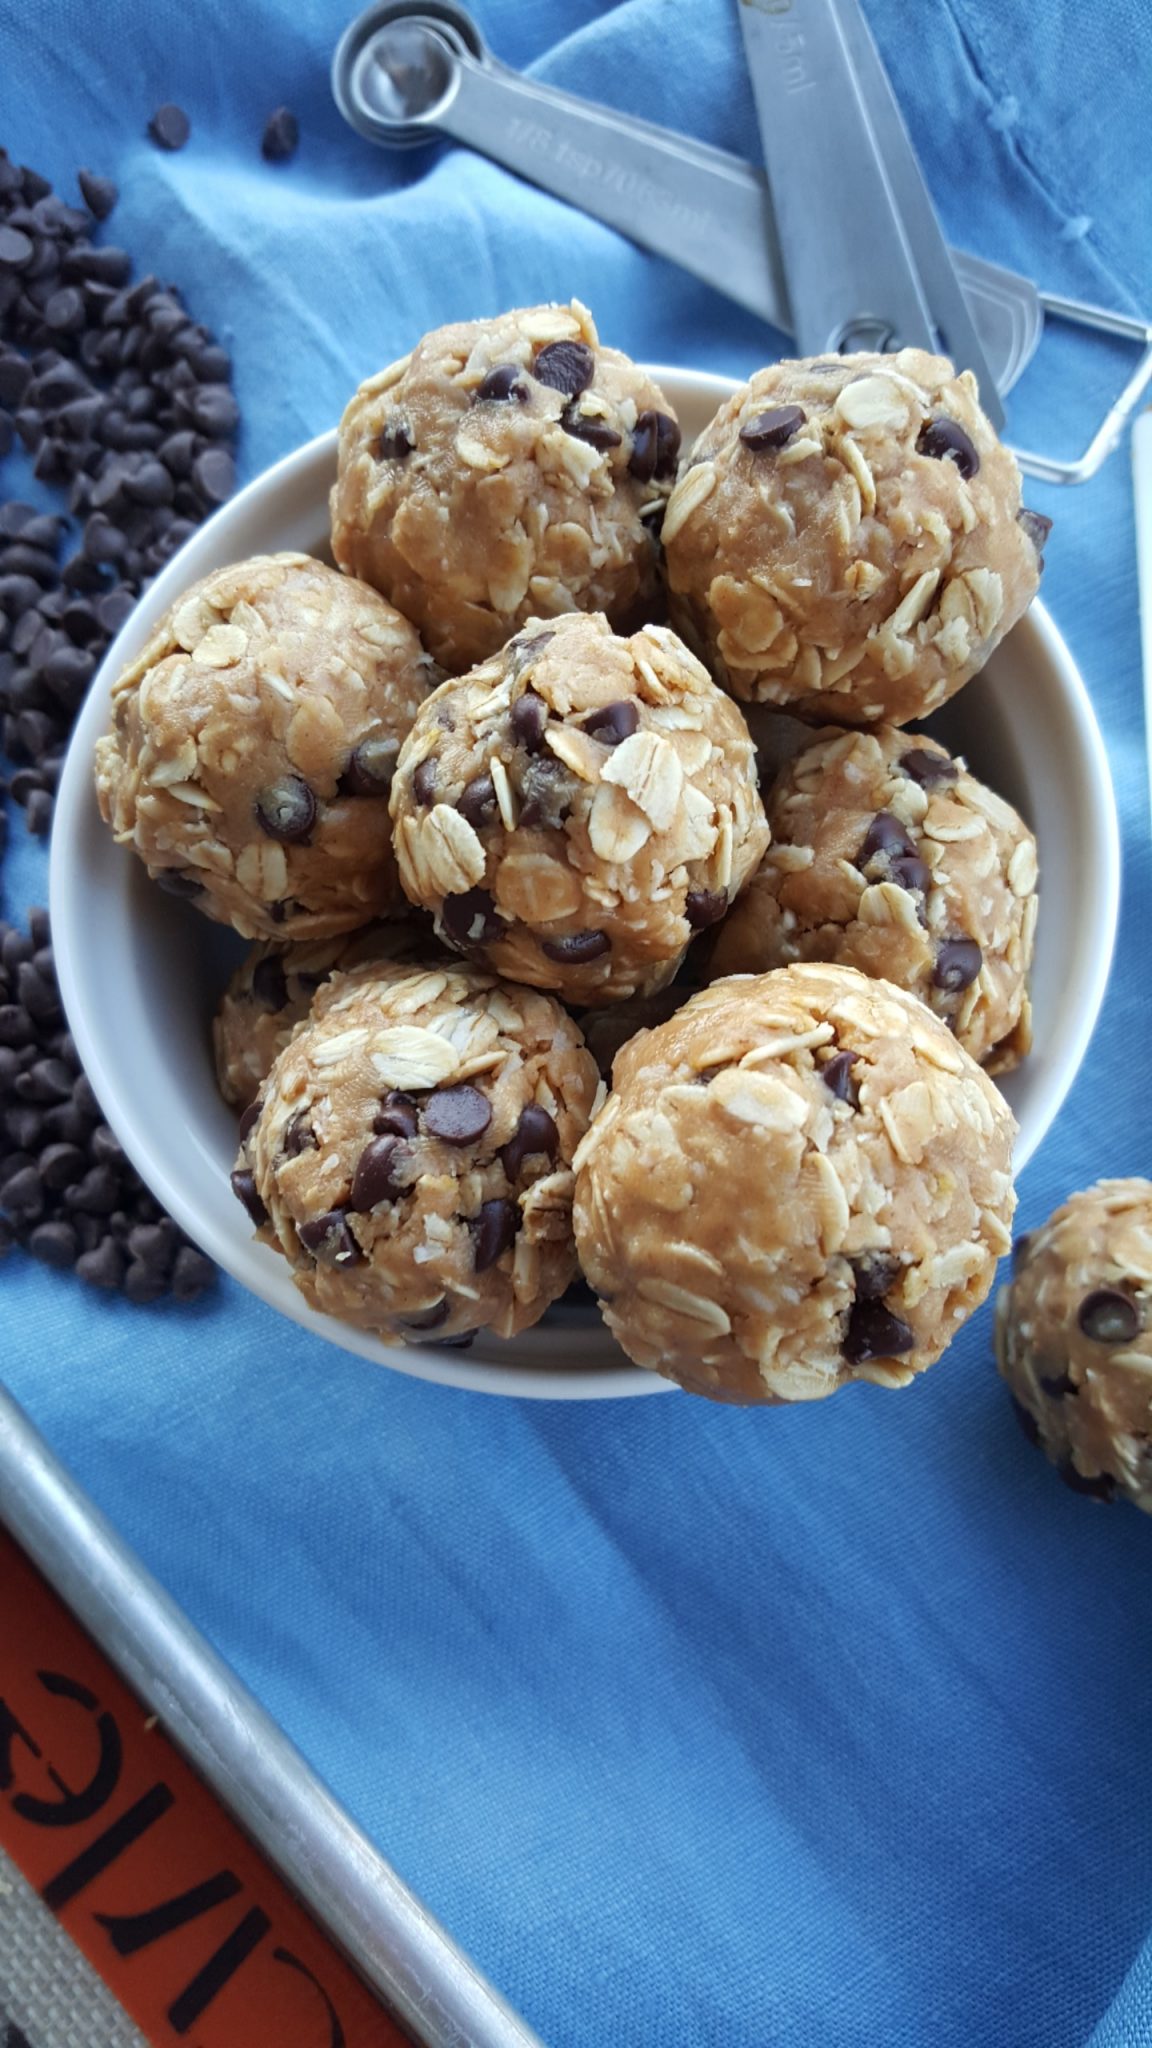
(1074, 1339)
(576, 808)
(507, 468)
(799, 1180)
(253, 743)
(846, 541)
(889, 856)
(413, 1154)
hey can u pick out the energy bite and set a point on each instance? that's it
(1074, 1339)
(573, 810)
(800, 1180)
(889, 856)
(273, 989)
(413, 1155)
(506, 469)
(253, 743)
(846, 540)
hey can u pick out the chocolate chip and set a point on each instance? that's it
(504, 382)
(397, 1114)
(286, 810)
(874, 1332)
(586, 427)
(1027, 1421)
(836, 1075)
(703, 907)
(547, 790)
(424, 781)
(54, 1243)
(567, 366)
(612, 723)
(1020, 1248)
(103, 1266)
(773, 429)
(100, 194)
(875, 1274)
(395, 442)
(370, 769)
(493, 1231)
(1107, 1316)
(958, 962)
(1037, 527)
(470, 919)
(16, 249)
(330, 1240)
(528, 719)
(1059, 1386)
(214, 410)
(459, 1115)
(281, 136)
(926, 767)
(885, 835)
(192, 1272)
(576, 947)
(60, 1166)
(374, 1179)
(250, 1119)
(477, 802)
(945, 440)
(269, 982)
(214, 475)
(429, 1318)
(536, 1133)
(298, 1136)
(244, 1188)
(910, 872)
(169, 127)
(655, 446)
(177, 883)
(1100, 1486)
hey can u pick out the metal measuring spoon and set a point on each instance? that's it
(409, 71)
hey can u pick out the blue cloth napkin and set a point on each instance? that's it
(826, 1728)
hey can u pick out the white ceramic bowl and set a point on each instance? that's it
(140, 972)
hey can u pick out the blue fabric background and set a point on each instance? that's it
(826, 1728)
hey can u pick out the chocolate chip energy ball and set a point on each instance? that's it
(252, 747)
(574, 809)
(1074, 1339)
(847, 542)
(273, 989)
(888, 856)
(506, 469)
(799, 1181)
(413, 1155)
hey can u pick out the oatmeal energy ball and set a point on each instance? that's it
(888, 856)
(846, 541)
(413, 1155)
(574, 809)
(273, 989)
(800, 1180)
(1074, 1339)
(252, 747)
(506, 469)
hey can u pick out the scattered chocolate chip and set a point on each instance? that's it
(429, 1318)
(16, 249)
(103, 1266)
(493, 1231)
(926, 767)
(1037, 526)
(370, 769)
(575, 948)
(477, 802)
(567, 366)
(536, 1133)
(396, 1115)
(875, 1274)
(424, 781)
(504, 382)
(100, 194)
(286, 810)
(703, 907)
(1098, 1486)
(54, 1243)
(374, 1179)
(244, 1188)
(885, 835)
(958, 962)
(874, 1332)
(269, 982)
(655, 446)
(214, 475)
(298, 1136)
(330, 1240)
(528, 719)
(587, 427)
(1020, 1249)
(395, 443)
(945, 440)
(1027, 1420)
(459, 1115)
(470, 919)
(169, 127)
(773, 429)
(281, 136)
(1107, 1316)
(612, 723)
(1058, 1386)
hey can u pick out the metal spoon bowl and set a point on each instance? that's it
(395, 70)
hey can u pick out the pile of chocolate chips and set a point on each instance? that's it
(122, 401)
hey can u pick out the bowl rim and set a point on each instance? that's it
(232, 1254)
